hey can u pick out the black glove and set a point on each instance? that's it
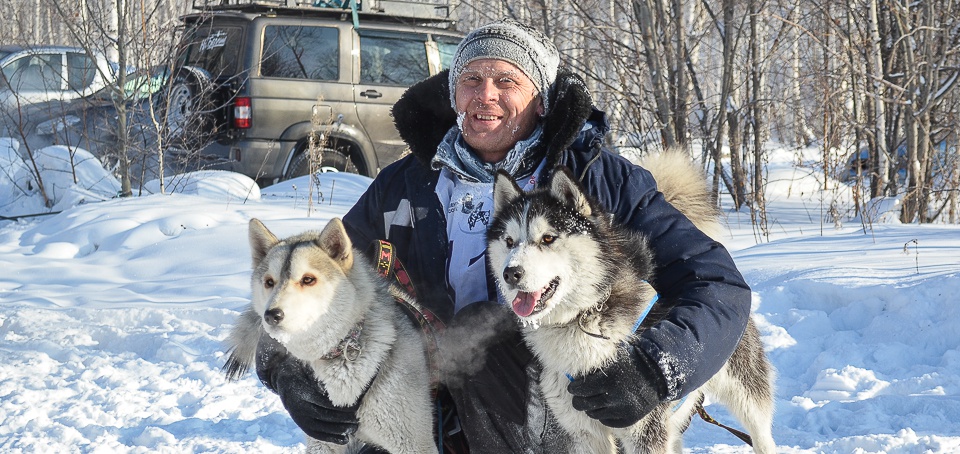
(484, 367)
(621, 393)
(302, 395)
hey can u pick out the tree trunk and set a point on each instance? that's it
(652, 53)
(682, 98)
(878, 125)
(802, 134)
(759, 113)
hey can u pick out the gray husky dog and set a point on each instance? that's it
(569, 273)
(318, 297)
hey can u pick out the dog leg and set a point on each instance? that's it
(651, 435)
(586, 435)
(745, 387)
(681, 415)
(592, 444)
(753, 412)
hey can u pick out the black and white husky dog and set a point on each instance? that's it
(568, 271)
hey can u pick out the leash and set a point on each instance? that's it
(743, 436)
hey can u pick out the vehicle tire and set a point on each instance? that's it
(186, 110)
(338, 159)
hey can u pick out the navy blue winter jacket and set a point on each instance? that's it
(707, 298)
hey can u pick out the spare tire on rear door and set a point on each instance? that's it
(187, 109)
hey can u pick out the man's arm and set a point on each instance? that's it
(707, 297)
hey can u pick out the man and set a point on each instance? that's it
(513, 109)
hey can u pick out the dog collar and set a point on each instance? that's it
(598, 309)
(349, 347)
(602, 304)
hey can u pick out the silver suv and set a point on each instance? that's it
(255, 84)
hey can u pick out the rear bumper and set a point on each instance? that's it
(262, 160)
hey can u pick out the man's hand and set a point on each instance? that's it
(302, 395)
(621, 393)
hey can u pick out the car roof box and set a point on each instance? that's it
(423, 11)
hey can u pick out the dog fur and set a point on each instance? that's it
(578, 284)
(309, 291)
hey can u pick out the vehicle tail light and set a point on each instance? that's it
(242, 113)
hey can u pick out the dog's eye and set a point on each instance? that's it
(547, 239)
(308, 280)
(268, 282)
(509, 242)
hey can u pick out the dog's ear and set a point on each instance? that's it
(564, 186)
(504, 191)
(334, 240)
(261, 240)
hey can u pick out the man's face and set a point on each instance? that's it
(498, 106)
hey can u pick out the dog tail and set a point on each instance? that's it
(242, 345)
(684, 185)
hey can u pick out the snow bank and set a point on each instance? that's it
(113, 314)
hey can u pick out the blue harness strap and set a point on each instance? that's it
(646, 312)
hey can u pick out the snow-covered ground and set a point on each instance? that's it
(113, 313)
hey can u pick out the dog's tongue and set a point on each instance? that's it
(524, 303)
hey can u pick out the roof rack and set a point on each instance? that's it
(423, 10)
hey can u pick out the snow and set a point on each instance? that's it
(113, 313)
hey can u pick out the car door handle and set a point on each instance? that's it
(372, 94)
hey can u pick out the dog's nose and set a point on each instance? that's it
(513, 274)
(273, 317)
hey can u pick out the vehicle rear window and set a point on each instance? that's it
(391, 58)
(216, 49)
(301, 52)
(81, 71)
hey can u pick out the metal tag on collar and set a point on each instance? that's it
(352, 350)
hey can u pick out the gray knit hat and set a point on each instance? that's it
(513, 42)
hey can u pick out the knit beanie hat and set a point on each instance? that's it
(513, 42)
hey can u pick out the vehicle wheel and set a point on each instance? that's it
(331, 160)
(187, 111)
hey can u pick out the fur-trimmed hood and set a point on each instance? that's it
(423, 116)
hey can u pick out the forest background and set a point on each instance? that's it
(873, 83)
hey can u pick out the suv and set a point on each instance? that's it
(254, 86)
